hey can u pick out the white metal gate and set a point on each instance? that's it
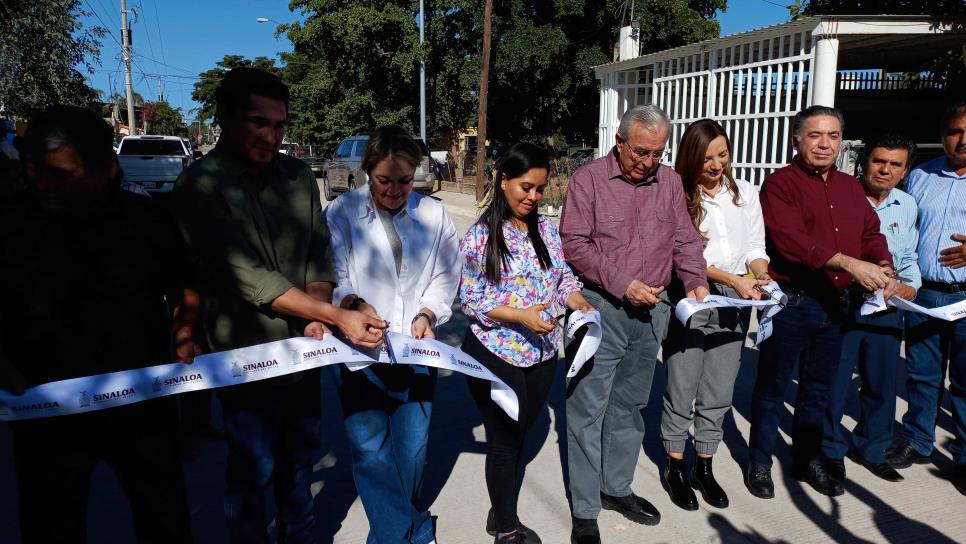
(753, 88)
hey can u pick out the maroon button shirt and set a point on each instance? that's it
(614, 231)
(808, 221)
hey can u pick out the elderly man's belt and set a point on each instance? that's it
(944, 287)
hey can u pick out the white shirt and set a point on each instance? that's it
(736, 234)
(364, 263)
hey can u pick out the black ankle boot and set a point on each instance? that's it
(702, 479)
(676, 483)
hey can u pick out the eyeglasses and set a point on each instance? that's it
(639, 154)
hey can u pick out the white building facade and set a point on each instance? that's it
(754, 82)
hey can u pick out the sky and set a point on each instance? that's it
(179, 39)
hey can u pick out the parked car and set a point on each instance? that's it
(153, 162)
(343, 172)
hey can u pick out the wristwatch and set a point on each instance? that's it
(432, 322)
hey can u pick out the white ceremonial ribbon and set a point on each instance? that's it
(233, 367)
(877, 303)
(589, 343)
(687, 307)
(427, 352)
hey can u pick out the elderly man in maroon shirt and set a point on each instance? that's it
(823, 239)
(624, 224)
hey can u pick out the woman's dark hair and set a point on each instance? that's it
(690, 165)
(390, 140)
(517, 161)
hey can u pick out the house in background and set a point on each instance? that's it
(871, 67)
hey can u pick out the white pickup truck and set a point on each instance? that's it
(153, 162)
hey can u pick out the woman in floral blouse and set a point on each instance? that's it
(513, 286)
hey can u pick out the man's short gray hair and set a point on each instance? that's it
(649, 115)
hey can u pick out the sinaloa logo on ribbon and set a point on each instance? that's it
(180, 380)
(460, 363)
(314, 354)
(241, 369)
(31, 407)
(421, 352)
(110, 396)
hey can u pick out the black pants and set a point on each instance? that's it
(504, 437)
(56, 457)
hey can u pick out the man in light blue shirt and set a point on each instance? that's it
(939, 187)
(872, 343)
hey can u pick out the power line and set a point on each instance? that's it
(775, 4)
(157, 22)
(106, 27)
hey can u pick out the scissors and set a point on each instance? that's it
(385, 342)
(771, 297)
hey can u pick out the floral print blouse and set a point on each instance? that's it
(522, 284)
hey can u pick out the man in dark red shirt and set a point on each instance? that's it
(823, 239)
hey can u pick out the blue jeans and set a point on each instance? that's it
(871, 344)
(930, 342)
(807, 335)
(273, 432)
(388, 434)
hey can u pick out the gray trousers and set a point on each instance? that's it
(702, 362)
(605, 427)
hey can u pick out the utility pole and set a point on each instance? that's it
(484, 88)
(422, 76)
(160, 88)
(126, 52)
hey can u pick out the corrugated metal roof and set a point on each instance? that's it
(797, 25)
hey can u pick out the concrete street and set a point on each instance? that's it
(924, 508)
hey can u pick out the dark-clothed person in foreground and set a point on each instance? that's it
(871, 344)
(624, 226)
(93, 277)
(939, 187)
(821, 235)
(253, 221)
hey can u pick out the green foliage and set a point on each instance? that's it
(165, 120)
(207, 84)
(355, 64)
(41, 47)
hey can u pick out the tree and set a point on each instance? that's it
(353, 68)
(354, 64)
(163, 119)
(208, 81)
(42, 47)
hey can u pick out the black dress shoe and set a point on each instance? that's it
(527, 533)
(758, 481)
(702, 478)
(904, 455)
(882, 470)
(959, 478)
(677, 485)
(584, 531)
(631, 507)
(835, 468)
(814, 475)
